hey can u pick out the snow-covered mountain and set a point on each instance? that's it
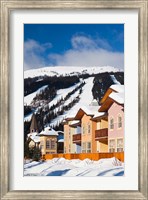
(52, 98)
(68, 71)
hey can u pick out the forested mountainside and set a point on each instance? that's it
(51, 98)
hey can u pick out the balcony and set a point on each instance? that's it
(101, 135)
(77, 138)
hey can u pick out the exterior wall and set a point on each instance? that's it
(104, 124)
(101, 146)
(115, 133)
(43, 148)
(69, 147)
(88, 128)
(94, 143)
(66, 138)
(72, 145)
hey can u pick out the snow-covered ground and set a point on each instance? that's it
(74, 167)
(67, 70)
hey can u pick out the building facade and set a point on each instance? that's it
(97, 128)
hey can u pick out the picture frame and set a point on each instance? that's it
(142, 7)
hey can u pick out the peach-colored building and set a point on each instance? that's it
(69, 146)
(101, 132)
(88, 128)
(76, 138)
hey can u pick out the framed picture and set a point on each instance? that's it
(24, 25)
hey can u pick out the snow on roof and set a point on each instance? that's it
(34, 136)
(118, 97)
(48, 131)
(75, 122)
(60, 132)
(90, 110)
(61, 140)
(118, 88)
(36, 139)
(98, 114)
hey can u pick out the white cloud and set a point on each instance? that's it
(84, 51)
(82, 42)
(33, 54)
(88, 52)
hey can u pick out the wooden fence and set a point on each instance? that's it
(82, 156)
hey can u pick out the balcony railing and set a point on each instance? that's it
(77, 138)
(101, 134)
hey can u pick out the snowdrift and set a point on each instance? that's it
(75, 167)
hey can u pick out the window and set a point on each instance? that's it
(53, 144)
(83, 147)
(88, 147)
(119, 145)
(69, 131)
(88, 127)
(83, 129)
(48, 144)
(119, 121)
(112, 145)
(111, 123)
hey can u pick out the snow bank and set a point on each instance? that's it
(75, 167)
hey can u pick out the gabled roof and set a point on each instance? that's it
(113, 88)
(118, 97)
(90, 111)
(117, 88)
(99, 115)
(48, 131)
(113, 97)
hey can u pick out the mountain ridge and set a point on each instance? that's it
(68, 71)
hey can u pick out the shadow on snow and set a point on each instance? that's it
(105, 172)
(58, 172)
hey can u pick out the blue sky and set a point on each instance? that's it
(73, 45)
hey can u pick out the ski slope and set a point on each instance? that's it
(86, 98)
(28, 99)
